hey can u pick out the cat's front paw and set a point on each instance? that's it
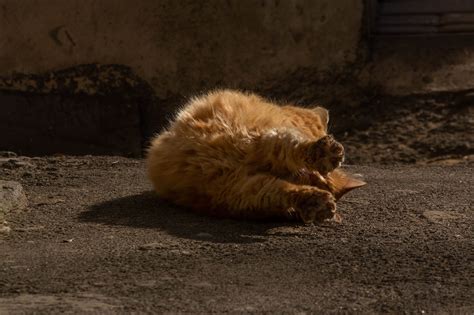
(325, 155)
(314, 206)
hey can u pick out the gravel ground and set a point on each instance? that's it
(94, 238)
(431, 128)
(421, 129)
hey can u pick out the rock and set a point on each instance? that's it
(4, 228)
(436, 216)
(13, 163)
(12, 197)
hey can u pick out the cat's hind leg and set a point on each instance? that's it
(262, 196)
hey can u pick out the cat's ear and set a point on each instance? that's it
(323, 114)
(343, 183)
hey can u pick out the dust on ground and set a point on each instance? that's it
(94, 238)
(423, 129)
(431, 128)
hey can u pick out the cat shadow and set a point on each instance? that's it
(146, 210)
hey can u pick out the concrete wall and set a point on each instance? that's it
(181, 46)
(102, 76)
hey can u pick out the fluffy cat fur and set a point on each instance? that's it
(236, 155)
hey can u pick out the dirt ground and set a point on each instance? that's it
(94, 238)
(431, 128)
(424, 129)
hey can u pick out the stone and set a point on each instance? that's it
(14, 163)
(12, 197)
(436, 216)
(4, 228)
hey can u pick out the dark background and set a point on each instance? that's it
(101, 77)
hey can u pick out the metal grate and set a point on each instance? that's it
(409, 17)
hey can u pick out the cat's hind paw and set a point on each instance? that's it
(315, 206)
(325, 155)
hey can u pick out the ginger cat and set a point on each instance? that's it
(237, 155)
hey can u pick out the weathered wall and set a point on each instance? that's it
(181, 46)
(87, 76)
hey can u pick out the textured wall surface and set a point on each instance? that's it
(101, 77)
(183, 45)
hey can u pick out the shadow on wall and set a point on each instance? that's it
(87, 109)
(109, 110)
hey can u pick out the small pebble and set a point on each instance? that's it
(4, 229)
